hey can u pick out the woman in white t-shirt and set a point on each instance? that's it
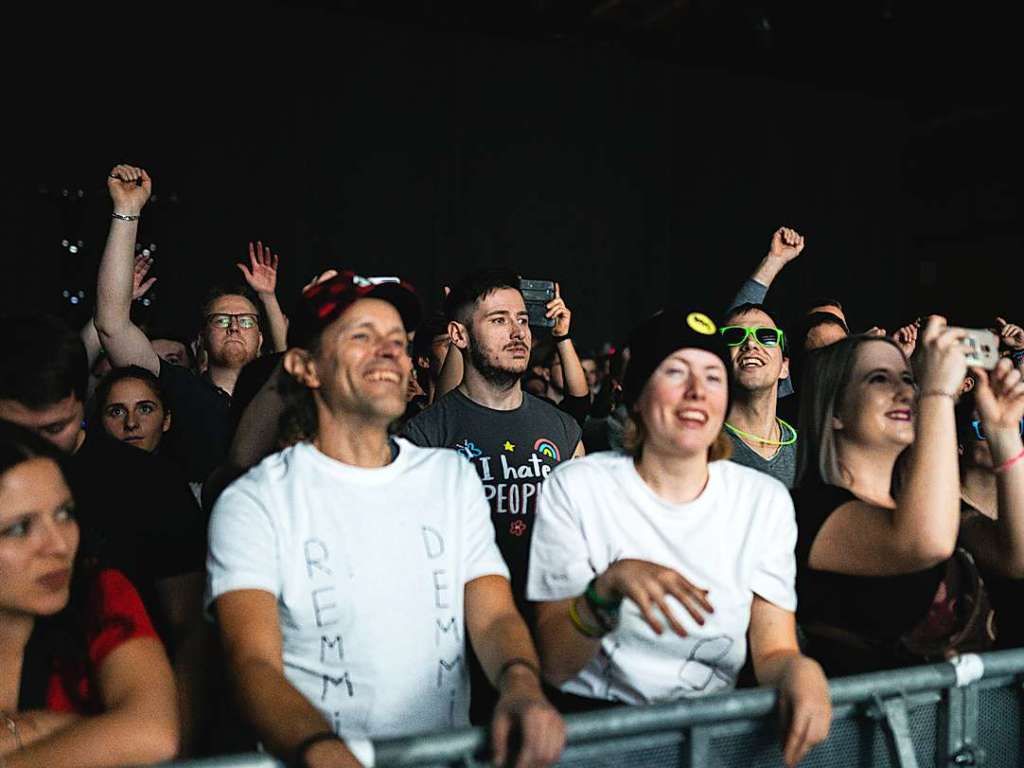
(617, 621)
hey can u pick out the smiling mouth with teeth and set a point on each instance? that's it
(751, 362)
(698, 416)
(388, 376)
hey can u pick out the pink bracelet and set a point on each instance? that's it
(1009, 463)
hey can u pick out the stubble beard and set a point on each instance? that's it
(500, 377)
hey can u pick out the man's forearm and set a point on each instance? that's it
(572, 369)
(283, 717)
(768, 270)
(276, 321)
(505, 638)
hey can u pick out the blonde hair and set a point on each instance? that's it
(634, 436)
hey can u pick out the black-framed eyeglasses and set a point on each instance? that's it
(980, 434)
(246, 320)
(735, 335)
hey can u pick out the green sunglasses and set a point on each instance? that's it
(735, 335)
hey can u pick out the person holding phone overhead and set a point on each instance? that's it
(880, 580)
(512, 438)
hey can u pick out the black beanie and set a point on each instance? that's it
(661, 335)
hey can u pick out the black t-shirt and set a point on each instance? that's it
(513, 451)
(141, 512)
(877, 608)
(201, 419)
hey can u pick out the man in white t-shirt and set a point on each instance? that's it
(345, 572)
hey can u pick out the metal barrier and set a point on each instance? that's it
(948, 714)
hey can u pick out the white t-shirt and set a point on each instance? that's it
(369, 568)
(735, 539)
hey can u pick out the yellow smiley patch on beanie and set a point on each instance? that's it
(701, 323)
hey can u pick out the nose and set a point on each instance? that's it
(748, 343)
(131, 422)
(694, 388)
(906, 392)
(390, 348)
(57, 540)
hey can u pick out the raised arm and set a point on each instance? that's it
(575, 377)
(282, 716)
(140, 285)
(126, 344)
(921, 531)
(138, 727)
(999, 544)
(261, 275)
(786, 245)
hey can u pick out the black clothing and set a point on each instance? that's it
(880, 609)
(200, 410)
(142, 514)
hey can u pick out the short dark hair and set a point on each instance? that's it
(825, 301)
(475, 287)
(42, 361)
(18, 445)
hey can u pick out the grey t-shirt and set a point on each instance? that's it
(781, 466)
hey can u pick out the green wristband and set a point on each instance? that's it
(595, 600)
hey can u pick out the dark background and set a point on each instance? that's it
(633, 150)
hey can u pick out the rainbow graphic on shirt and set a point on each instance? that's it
(547, 449)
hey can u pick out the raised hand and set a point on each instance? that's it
(906, 337)
(787, 244)
(139, 283)
(261, 274)
(130, 188)
(560, 312)
(647, 585)
(999, 397)
(1012, 335)
(942, 363)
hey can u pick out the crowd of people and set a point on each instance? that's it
(361, 520)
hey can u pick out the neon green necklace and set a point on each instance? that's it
(783, 443)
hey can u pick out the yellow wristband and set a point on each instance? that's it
(581, 627)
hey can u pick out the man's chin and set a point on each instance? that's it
(232, 356)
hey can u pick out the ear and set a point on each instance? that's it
(459, 334)
(422, 361)
(837, 424)
(968, 385)
(259, 345)
(301, 366)
(167, 422)
(784, 373)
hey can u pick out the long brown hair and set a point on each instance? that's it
(825, 379)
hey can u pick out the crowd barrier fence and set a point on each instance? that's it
(948, 715)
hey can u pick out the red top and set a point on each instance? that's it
(122, 617)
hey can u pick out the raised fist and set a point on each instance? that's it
(786, 244)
